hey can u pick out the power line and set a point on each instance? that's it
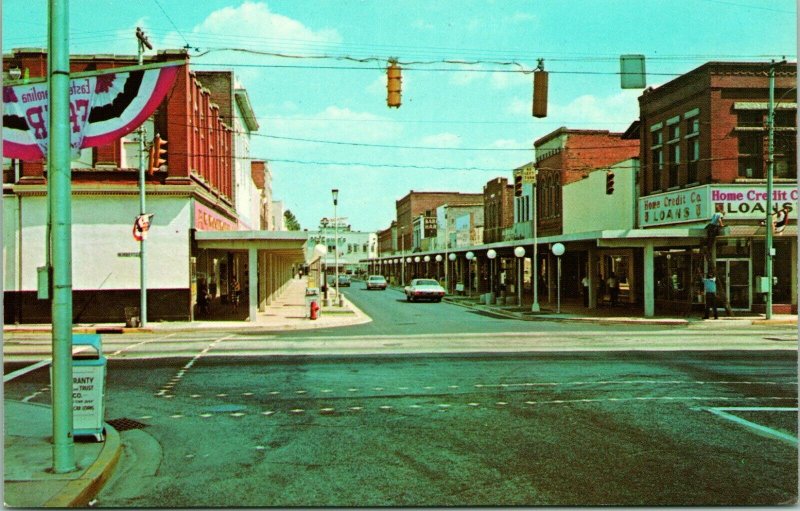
(172, 23)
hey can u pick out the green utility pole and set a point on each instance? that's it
(770, 170)
(59, 172)
(143, 41)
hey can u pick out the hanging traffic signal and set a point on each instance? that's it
(393, 84)
(518, 185)
(609, 183)
(157, 154)
(540, 79)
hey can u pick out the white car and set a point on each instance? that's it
(424, 289)
(375, 282)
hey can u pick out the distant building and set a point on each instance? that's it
(419, 203)
(354, 247)
(498, 209)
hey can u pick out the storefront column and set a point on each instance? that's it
(262, 282)
(270, 265)
(591, 272)
(252, 283)
(648, 281)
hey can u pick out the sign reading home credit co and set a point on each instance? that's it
(739, 202)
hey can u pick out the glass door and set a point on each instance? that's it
(735, 274)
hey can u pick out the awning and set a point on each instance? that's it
(291, 244)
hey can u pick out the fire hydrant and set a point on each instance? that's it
(314, 314)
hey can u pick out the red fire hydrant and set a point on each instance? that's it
(314, 310)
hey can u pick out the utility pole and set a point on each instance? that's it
(535, 277)
(770, 170)
(59, 177)
(143, 41)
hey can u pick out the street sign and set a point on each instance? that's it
(528, 175)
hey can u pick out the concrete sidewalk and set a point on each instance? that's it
(287, 312)
(28, 454)
(574, 311)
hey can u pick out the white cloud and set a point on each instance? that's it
(442, 140)
(519, 106)
(264, 28)
(620, 109)
(500, 80)
(332, 123)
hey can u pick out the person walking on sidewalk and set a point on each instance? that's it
(613, 287)
(710, 287)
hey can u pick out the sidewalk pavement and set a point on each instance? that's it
(573, 311)
(287, 312)
(29, 481)
(28, 454)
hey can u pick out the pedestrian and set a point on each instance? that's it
(613, 287)
(714, 226)
(585, 284)
(237, 290)
(710, 288)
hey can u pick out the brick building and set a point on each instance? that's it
(415, 204)
(569, 155)
(207, 184)
(704, 146)
(498, 209)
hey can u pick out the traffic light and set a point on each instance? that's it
(540, 79)
(157, 153)
(393, 84)
(609, 183)
(518, 185)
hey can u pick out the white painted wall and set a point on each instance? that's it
(586, 207)
(101, 228)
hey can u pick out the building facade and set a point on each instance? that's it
(498, 209)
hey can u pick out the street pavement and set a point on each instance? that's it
(29, 481)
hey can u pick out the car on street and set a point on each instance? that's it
(424, 289)
(344, 280)
(375, 282)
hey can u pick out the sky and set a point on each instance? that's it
(315, 74)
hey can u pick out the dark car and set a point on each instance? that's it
(344, 280)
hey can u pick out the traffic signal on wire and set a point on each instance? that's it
(518, 185)
(609, 183)
(540, 79)
(157, 154)
(393, 83)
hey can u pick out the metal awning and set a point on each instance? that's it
(286, 243)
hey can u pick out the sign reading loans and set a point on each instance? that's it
(739, 202)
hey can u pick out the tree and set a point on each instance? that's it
(290, 221)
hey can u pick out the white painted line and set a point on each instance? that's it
(267, 413)
(205, 415)
(141, 343)
(763, 430)
(238, 414)
(26, 370)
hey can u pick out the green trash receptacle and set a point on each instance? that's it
(88, 386)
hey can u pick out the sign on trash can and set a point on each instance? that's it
(88, 386)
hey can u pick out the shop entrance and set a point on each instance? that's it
(735, 276)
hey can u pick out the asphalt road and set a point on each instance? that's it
(622, 428)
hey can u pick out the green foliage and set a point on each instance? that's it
(290, 221)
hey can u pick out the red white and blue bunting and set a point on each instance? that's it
(103, 107)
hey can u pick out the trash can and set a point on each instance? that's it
(312, 295)
(132, 317)
(88, 386)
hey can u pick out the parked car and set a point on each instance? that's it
(344, 280)
(424, 289)
(375, 282)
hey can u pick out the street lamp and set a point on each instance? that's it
(335, 193)
(558, 251)
(451, 257)
(427, 260)
(319, 251)
(470, 256)
(519, 252)
(438, 260)
(491, 254)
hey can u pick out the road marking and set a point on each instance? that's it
(267, 413)
(764, 430)
(238, 414)
(181, 372)
(40, 391)
(140, 343)
(26, 370)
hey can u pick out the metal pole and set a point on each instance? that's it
(336, 253)
(142, 41)
(559, 285)
(519, 281)
(58, 163)
(770, 171)
(535, 277)
(402, 259)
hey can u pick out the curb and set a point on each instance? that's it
(79, 492)
(544, 317)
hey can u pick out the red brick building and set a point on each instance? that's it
(415, 204)
(568, 155)
(498, 209)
